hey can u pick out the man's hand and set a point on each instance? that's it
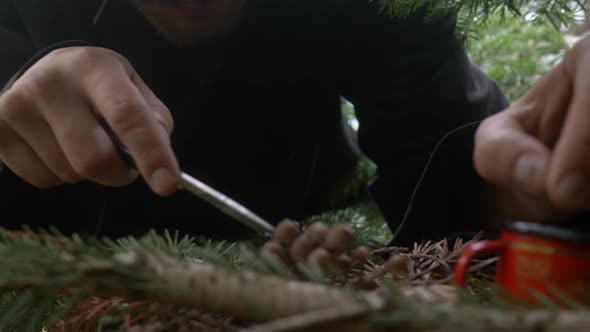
(49, 129)
(537, 152)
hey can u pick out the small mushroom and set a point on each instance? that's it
(317, 232)
(339, 238)
(321, 257)
(275, 249)
(286, 232)
(367, 281)
(344, 262)
(361, 254)
(301, 248)
(396, 264)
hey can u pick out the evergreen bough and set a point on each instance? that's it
(473, 12)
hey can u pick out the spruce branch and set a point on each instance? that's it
(340, 318)
(144, 273)
(60, 267)
(476, 12)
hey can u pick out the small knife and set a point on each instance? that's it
(200, 189)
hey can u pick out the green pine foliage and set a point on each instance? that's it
(516, 53)
(472, 12)
(45, 277)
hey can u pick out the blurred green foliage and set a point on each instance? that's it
(516, 52)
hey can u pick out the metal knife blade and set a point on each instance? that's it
(200, 189)
(225, 204)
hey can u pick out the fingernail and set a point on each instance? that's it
(572, 188)
(162, 181)
(528, 172)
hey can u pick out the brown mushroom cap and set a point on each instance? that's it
(317, 232)
(275, 249)
(361, 254)
(301, 248)
(321, 257)
(344, 262)
(367, 282)
(286, 232)
(339, 238)
(396, 264)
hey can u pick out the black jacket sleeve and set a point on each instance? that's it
(14, 53)
(16, 47)
(414, 87)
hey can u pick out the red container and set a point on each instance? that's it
(536, 258)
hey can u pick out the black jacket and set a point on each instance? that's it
(258, 115)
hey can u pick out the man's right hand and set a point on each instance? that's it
(49, 129)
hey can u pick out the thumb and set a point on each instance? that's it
(505, 154)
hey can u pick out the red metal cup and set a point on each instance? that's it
(536, 258)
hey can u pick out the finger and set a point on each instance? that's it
(569, 178)
(17, 155)
(548, 100)
(118, 100)
(161, 112)
(85, 144)
(506, 154)
(29, 125)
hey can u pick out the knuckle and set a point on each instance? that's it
(85, 59)
(89, 57)
(125, 106)
(152, 156)
(43, 79)
(80, 57)
(164, 117)
(126, 116)
(65, 51)
(12, 103)
(41, 82)
(40, 85)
